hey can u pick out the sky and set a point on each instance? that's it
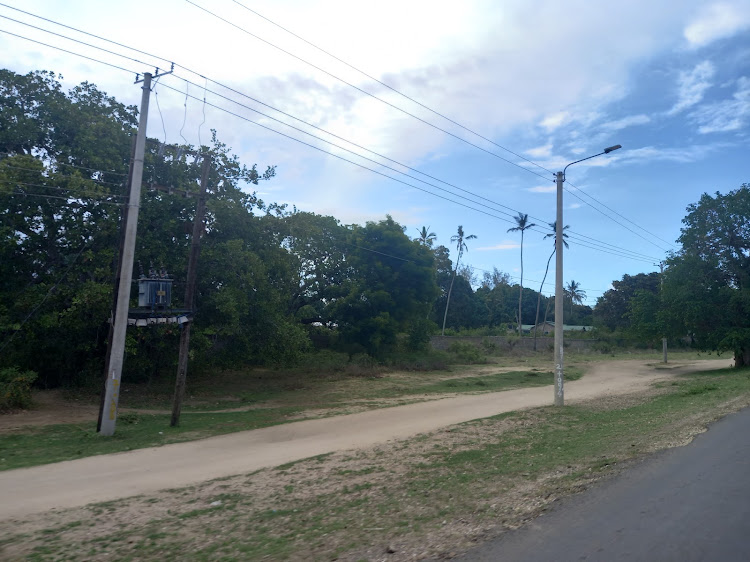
(479, 102)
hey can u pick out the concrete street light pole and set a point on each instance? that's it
(560, 178)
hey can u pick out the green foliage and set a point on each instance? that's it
(467, 353)
(707, 285)
(613, 307)
(419, 333)
(15, 388)
(390, 287)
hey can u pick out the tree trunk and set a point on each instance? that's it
(450, 290)
(539, 298)
(742, 357)
(520, 293)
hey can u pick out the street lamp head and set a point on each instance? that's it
(612, 148)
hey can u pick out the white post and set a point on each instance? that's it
(559, 392)
(112, 394)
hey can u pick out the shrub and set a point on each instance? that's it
(419, 334)
(15, 388)
(467, 353)
(490, 347)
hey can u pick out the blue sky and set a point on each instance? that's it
(551, 81)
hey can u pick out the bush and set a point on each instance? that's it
(419, 334)
(467, 353)
(15, 388)
(432, 360)
(489, 347)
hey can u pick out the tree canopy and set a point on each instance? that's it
(272, 282)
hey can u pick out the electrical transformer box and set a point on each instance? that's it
(155, 293)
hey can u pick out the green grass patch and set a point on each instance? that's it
(47, 444)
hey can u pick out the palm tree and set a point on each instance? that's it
(575, 294)
(460, 239)
(553, 226)
(522, 223)
(426, 238)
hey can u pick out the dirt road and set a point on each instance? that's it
(109, 477)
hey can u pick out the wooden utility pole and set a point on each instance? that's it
(192, 276)
(120, 320)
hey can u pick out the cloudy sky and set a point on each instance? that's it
(478, 102)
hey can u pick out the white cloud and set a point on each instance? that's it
(540, 151)
(574, 206)
(625, 122)
(501, 246)
(689, 154)
(716, 22)
(692, 86)
(727, 115)
(550, 188)
(552, 122)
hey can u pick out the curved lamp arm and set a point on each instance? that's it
(605, 151)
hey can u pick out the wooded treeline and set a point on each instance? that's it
(276, 283)
(273, 282)
(703, 297)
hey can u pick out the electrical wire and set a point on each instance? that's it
(58, 163)
(187, 95)
(205, 86)
(414, 101)
(76, 40)
(618, 214)
(158, 107)
(384, 174)
(327, 132)
(615, 220)
(184, 116)
(189, 70)
(98, 182)
(391, 88)
(68, 199)
(69, 52)
(368, 93)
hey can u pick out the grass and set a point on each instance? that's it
(269, 398)
(426, 494)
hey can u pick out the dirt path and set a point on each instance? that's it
(109, 477)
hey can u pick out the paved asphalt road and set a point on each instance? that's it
(684, 504)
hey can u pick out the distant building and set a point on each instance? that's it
(546, 328)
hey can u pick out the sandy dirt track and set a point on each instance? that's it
(109, 477)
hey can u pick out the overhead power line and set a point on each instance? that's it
(649, 260)
(323, 130)
(618, 214)
(410, 99)
(58, 188)
(365, 92)
(58, 163)
(69, 52)
(615, 220)
(394, 90)
(359, 155)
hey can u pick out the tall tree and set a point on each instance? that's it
(522, 224)
(612, 308)
(390, 288)
(553, 234)
(575, 294)
(426, 238)
(707, 284)
(460, 239)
